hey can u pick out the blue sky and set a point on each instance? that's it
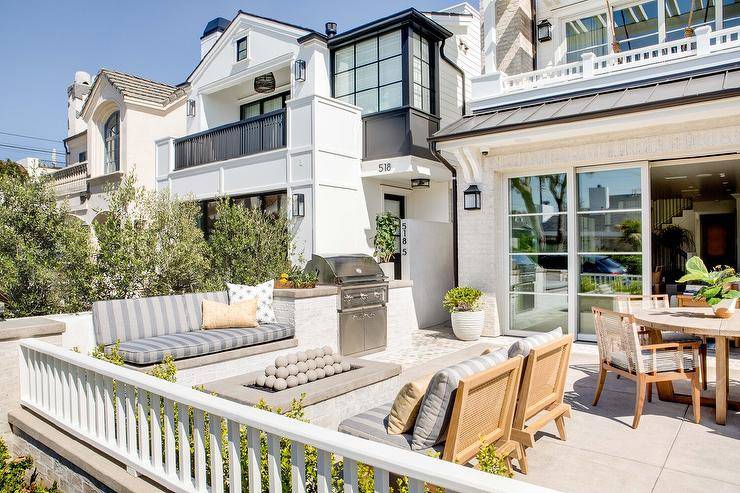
(44, 43)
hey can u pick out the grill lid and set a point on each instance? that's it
(344, 269)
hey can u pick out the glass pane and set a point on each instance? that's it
(389, 44)
(637, 26)
(273, 104)
(586, 35)
(273, 204)
(609, 190)
(366, 51)
(344, 59)
(250, 110)
(534, 194)
(416, 73)
(539, 273)
(610, 274)
(425, 99)
(731, 13)
(349, 98)
(586, 317)
(425, 74)
(391, 96)
(416, 44)
(390, 70)
(539, 234)
(344, 83)
(538, 313)
(677, 16)
(425, 50)
(610, 232)
(417, 96)
(367, 100)
(367, 77)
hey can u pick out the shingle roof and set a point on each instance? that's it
(685, 88)
(139, 88)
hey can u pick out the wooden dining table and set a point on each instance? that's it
(700, 322)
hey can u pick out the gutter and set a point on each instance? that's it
(453, 171)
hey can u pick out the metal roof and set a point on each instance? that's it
(719, 82)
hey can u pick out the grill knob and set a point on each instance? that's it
(348, 297)
(378, 294)
(363, 296)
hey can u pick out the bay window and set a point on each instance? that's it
(422, 74)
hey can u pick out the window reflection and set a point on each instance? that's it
(273, 204)
(539, 273)
(610, 232)
(535, 194)
(677, 16)
(585, 35)
(611, 274)
(730, 13)
(636, 26)
(609, 190)
(537, 313)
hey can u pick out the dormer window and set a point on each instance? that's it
(241, 49)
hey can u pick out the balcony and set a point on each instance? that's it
(704, 50)
(251, 136)
(71, 180)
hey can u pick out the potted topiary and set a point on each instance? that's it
(386, 229)
(718, 289)
(465, 307)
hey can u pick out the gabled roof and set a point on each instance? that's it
(410, 15)
(139, 88)
(686, 88)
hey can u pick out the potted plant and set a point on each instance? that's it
(384, 242)
(718, 283)
(466, 311)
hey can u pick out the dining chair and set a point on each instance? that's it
(627, 304)
(621, 352)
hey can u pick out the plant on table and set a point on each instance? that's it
(717, 289)
(466, 310)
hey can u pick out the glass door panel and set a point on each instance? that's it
(538, 253)
(610, 233)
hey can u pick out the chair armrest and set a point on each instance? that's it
(671, 345)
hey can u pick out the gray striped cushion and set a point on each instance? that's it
(522, 347)
(679, 337)
(439, 399)
(193, 306)
(373, 425)
(664, 361)
(127, 320)
(197, 343)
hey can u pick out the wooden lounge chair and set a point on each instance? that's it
(626, 304)
(621, 352)
(542, 389)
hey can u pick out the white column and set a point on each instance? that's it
(736, 196)
(488, 12)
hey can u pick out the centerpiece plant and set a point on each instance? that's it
(384, 242)
(466, 312)
(717, 286)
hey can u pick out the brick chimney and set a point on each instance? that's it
(507, 36)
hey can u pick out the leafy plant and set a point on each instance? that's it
(301, 278)
(15, 477)
(384, 242)
(717, 282)
(490, 461)
(462, 299)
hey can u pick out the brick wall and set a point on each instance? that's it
(514, 49)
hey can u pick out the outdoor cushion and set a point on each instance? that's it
(372, 425)
(406, 406)
(197, 343)
(138, 318)
(665, 360)
(222, 316)
(522, 347)
(439, 399)
(679, 337)
(263, 294)
(192, 305)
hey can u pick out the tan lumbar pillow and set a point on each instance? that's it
(406, 406)
(222, 316)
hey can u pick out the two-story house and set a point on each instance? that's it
(602, 161)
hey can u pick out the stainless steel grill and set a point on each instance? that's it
(361, 305)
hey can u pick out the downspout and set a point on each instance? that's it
(453, 171)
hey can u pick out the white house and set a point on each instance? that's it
(610, 130)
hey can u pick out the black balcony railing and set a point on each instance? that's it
(259, 134)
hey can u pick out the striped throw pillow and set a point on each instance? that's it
(522, 347)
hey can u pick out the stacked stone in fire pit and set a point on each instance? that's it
(302, 367)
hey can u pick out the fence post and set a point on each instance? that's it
(702, 40)
(587, 59)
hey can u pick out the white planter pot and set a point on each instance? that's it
(725, 308)
(468, 326)
(389, 270)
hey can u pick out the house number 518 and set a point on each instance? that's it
(384, 167)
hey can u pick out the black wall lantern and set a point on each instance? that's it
(471, 198)
(299, 205)
(420, 183)
(264, 83)
(544, 31)
(299, 71)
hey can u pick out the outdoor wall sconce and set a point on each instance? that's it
(544, 31)
(471, 198)
(420, 183)
(299, 205)
(191, 107)
(299, 71)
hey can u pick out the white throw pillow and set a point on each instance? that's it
(261, 292)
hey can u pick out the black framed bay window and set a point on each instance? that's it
(262, 106)
(422, 74)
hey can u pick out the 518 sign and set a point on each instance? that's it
(404, 239)
(384, 167)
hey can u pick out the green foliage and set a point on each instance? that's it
(166, 370)
(717, 282)
(631, 230)
(386, 229)
(249, 246)
(111, 354)
(300, 278)
(45, 255)
(13, 170)
(490, 461)
(462, 299)
(16, 475)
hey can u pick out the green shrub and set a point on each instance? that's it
(386, 229)
(17, 476)
(249, 246)
(462, 299)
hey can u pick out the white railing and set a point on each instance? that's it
(72, 179)
(705, 42)
(190, 441)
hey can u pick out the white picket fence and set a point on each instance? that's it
(146, 423)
